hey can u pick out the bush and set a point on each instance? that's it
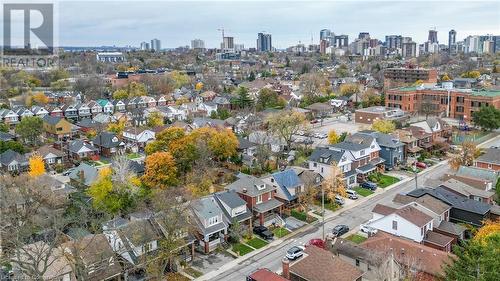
(299, 215)
(59, 168)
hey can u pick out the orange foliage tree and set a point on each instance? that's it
(36, 166)
(161, 170)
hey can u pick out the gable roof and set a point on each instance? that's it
(456, 201)
(407, 212)
(491, 155)
(77, 145)
(107, 139)
(247, 184)
(90, 174)
(10, 155)
(477, 173)
(431, 203)
(287, 179)
(52, 120)
(465, 189)
(326, 153)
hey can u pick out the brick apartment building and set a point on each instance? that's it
(404, 75)
(462, 102)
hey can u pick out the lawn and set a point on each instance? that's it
(257, 243)
(241, 249)
(192, 272)
(176, 276)
(280, 232)
(299, 215)
(362, 191)
(358, 239)
(133, 155)
(382, 180)
(332, 206)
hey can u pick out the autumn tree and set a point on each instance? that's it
(466, 156)
(285, 124)
(383, 126)
(334, 183)
(349, 89)
(333, 138)
(40, 98)
(164, 139)
(30, 128)
(223, 143)
(155, 119)
(117, 127)
(161, 170)
(198, 86)
(36, 166)
(471, 74)
(180, 79)
(269, 99)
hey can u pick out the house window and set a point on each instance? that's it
(259, 199)
(322, 169)
(395, 225)
(357, 262)
(315, 164)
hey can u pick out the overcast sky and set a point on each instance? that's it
(175, 23)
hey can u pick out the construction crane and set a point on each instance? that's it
(222, 31)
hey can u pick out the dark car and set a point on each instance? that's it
(369, 185)
(421, 165)
(339, 230)
(263, 232)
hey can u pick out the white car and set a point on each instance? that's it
(295, 252)
(368, 229)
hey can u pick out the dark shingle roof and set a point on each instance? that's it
(107, 139)
(323, 152)
(492, 155)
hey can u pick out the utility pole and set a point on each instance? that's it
(323, 210)
(416, 175)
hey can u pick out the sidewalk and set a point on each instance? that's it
(329, 217)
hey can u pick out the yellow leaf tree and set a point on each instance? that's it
(489, 227)
(223, 143)
(155, 119)
(36, 166)
(117, 127)
(383, 126)
(333, 138)
(334, 183)
(40, 98)
(198, 86)
(161, 171)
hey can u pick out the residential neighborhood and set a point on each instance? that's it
(351, 158)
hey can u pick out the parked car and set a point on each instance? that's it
(314, 121)
(316, 242)
(339, 200)
(369, 185)
(351, 194)
(263, 232)
(67, 172)
(368, 230)
(295, 252)
(340, 230)
(421, 165)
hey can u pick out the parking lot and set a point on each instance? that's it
(340, 125)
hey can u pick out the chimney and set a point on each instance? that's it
(286, 268)
(81, 175)
(244, 190)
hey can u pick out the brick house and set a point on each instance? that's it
(489, 160)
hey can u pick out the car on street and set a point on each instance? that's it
(368, 229)
(263, 232)
(294, 252)
(369, 185)
(421, 165)
(340, 230)
(316, 242)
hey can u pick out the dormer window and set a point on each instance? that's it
(260, 186)
(362, 152)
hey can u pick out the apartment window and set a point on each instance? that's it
(395, 225)
(259, 199)
(460, 99)
(459, 109)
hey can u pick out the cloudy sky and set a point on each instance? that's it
(175, 23)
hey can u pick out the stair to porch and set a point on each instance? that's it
(274, 219)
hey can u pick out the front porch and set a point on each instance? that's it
(375, 165)
(264, 212)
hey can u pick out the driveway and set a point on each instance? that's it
(210, 262)
(292, 223)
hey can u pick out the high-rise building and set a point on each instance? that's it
(264, 42)
(228, 43)
(341, 41)
(144, 46)
(364, 35)
(155, 45)
(325, 34)
(452, 41)
(409, 49)
(433, 36)
(323, 44)
(239, 47)
(197, 44)
(393, 41)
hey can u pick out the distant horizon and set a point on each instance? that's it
(176, 23)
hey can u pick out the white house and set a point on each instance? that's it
(24, 112)
(39, 111)
(140, 136)
(208, 107)
(407, 221)
(322, 159)
(8, 116)
(95, 108)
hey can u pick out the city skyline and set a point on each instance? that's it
(177, 23)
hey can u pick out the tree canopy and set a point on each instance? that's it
(487, 117)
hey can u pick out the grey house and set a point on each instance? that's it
(391, 148)
(233, 207)
(12, 161)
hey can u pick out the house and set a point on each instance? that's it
(208, 95)
(23, 112)
(364, 153)
(320, 110)
(56, 111)
(39, 111)
(490, 159)
(260, 198)
(310, 178)
(84, 110)
(51, 156)
(95, 107)
(84, 175)
(320, 265)
(185, 249)
(370, 114)
(119, 106)
(467, 191)
(208, 122)
(264, 274)
(234, 208)
(108, 144)
(70, 111)
(211, 225)
(391, 148)
(488, 177)
(8, 116)
(464, 210)
(13, 162)
(57, 127)
(207, 107)
(162, 101)
(437, 209)
(139, 136)
(246, 147)
(79, 150)
(6, 136)
(425, 261)
(132, 239)
(410, 142)
(43, 255)
(95, 257)
(106, 105)
(323, 158)
(288, 185)
(86, 125)
(406, 221)
(150, 101)
(440, 130)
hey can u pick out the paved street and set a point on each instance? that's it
(271, 257)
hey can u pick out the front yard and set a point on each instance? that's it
(280, 232)
(382, 180)
(329, 205)
(192, 272)
(241, 249)
(302, 216)
(133, 155)
(363, 191)
(256, 243)
(356, 238)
